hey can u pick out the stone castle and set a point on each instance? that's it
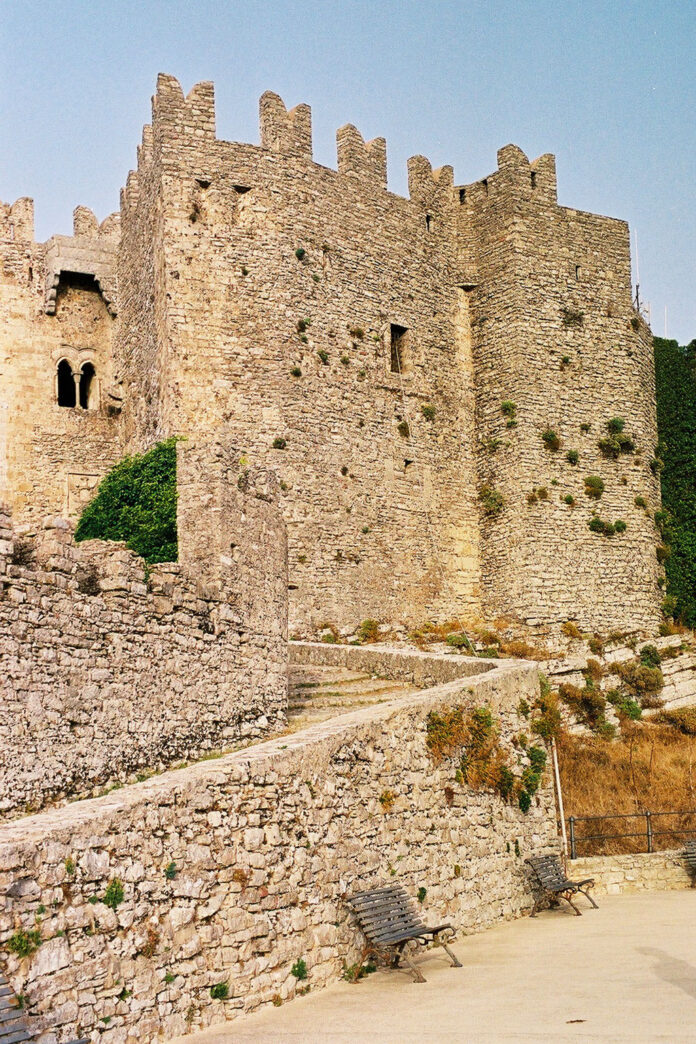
(429, 377)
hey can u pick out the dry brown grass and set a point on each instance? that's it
(652, 767)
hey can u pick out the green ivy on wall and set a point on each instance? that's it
(676, 423)
(136, 502)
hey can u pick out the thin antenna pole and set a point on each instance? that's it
(635, 240)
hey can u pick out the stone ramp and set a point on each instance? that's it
(316, 693)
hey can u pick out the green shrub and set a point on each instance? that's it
(428, 412)
(585, 427)
(296, 371)
(300, 253)
(23, 944)
(403, 429)
(220, 991)
(368, 631)
(551, 439)
(594, 486)
(422, 892)
(508, 409)
(170, 871)
(114, 895)
(136, 503)
(616, 425)
(324, 356)
(299, 969)
(572, 456)
(641, 681)
(279, 443)
(491, 500)
(650, 656)
(641, 502)
(620, 525)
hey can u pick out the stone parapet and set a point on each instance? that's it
(636, 872)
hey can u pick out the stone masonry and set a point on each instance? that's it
(363, 345)
(107, 671)
(234, 869)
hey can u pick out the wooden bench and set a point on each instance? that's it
(554, 884)
(389, 920)
(690, 856)
(16, 1026)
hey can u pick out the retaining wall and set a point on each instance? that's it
(234, 869)
(638, 872)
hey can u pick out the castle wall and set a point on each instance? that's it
(234, 869)
(51, 309)
(380, 523)
(554, 332)
(106, 671)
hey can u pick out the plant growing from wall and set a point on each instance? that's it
(220, 991)
(509, 411)
(279, 443)
(572, 317)
(594, 486)
(616, 442)
(551, 440)
(136, 503)
(299, 969)
(428, 412)
(114, 894)
(23, 943)
(572, 456)
(491, 501)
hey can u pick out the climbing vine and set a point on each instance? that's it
(676, 422)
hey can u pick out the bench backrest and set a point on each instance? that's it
(547, 870)
(384, 913)
(690, 853)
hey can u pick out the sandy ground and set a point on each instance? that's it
(625, 972)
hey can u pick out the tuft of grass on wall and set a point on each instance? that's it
(136, 503)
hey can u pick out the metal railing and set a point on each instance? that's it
(648, 832)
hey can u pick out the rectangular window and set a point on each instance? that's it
(399, 349)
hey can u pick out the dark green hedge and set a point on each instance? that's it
(136, 502)
(676, 423)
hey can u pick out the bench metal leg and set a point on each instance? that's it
(455, 962)
(571, 903)
(417, 975)
(588, 896)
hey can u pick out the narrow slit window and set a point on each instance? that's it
(462, 195)
(485, 185)
(429, 222)
(578, 273)
(65, 384)
(533, 179)
(399, 346)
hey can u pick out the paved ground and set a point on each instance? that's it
(626, 972)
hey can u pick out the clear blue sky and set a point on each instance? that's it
(609, 87)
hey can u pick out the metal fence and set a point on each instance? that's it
(649, 830)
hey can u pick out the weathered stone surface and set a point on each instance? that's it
(637, 872)
(103, 678)
(259, 294)
(301, 826)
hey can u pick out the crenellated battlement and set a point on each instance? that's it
(360, 158)
(285, 130)
(193, 114)
(17, 220)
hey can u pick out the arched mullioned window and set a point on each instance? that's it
(65, 384)
(88, 387)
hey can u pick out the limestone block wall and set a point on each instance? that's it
(554, 332)
(261, 289)
(638, 872)
(53, 310)
(105, 672)
(233, 870)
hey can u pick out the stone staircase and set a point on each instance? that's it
(316, 693)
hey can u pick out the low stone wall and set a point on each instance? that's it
(104, 673)
(639, 872)
(232, 870)
(422, 669)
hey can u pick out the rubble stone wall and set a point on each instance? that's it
(638, 872)
(233, 870)
(106, 671)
